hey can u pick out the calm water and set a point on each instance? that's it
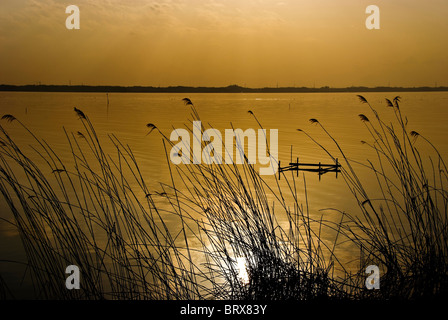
(46, 114)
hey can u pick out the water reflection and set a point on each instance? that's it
(126, 116)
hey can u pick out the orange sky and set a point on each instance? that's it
(255, 43)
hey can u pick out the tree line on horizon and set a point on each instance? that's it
(192, 89)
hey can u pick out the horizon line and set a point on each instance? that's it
(206, 89)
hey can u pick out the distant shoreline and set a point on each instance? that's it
(228, 89)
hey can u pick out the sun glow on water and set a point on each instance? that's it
(242, 270)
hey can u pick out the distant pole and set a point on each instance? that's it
(337, 168)
(297, 166)
(107, 97)
(319, 171)
(279, 170)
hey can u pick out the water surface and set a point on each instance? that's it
(126, 116)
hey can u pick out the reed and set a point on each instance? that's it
(234, 213)
(404, 229)
(223, 231)
(92, 215)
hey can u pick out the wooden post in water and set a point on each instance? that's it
(337, 166)
(279, 170)
(319, 171)
(107, 96)
(297, 166)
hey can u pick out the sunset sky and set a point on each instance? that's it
(253, 43)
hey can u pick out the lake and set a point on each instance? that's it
(126, 115)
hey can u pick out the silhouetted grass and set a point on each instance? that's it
(237, 213)
(97, 214)
(221, 221)
(404, 229)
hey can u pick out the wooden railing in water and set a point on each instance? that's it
(320, 168)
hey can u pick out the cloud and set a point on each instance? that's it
(133, 38)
